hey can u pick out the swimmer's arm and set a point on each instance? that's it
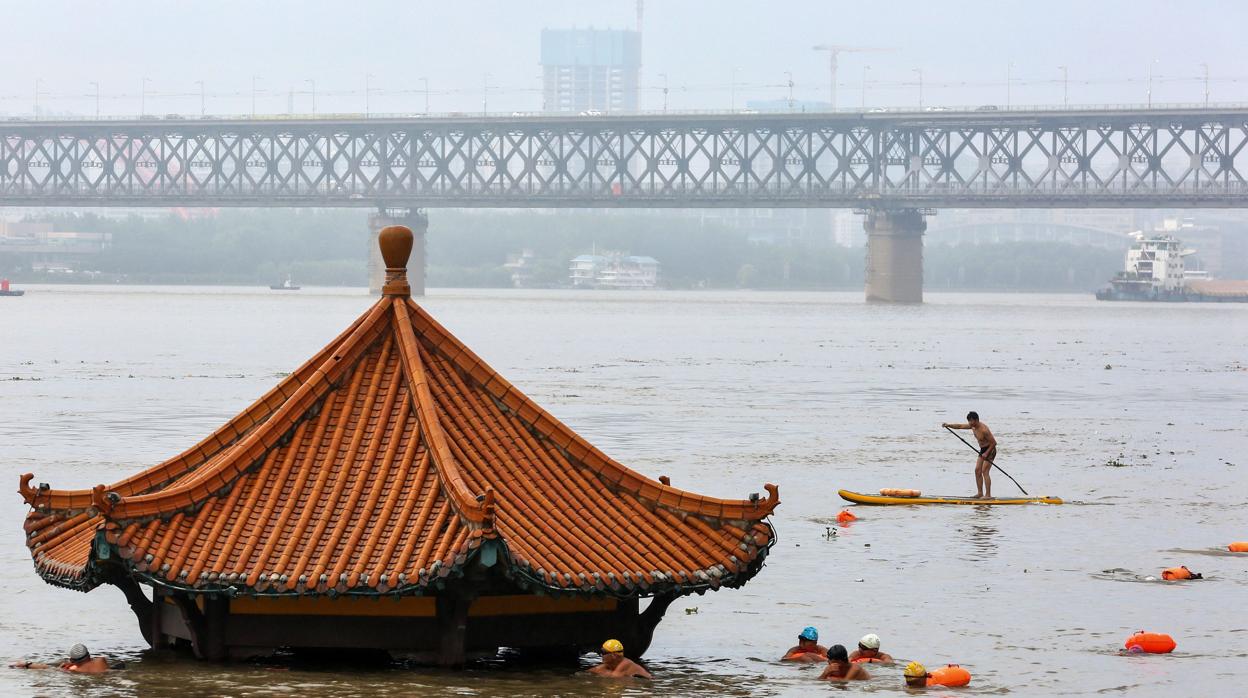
(29, 665)
(825, 676)
(640, 672)
(951, 425)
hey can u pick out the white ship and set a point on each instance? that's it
(1155, 271)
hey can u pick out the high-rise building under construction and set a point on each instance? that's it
(590, 70)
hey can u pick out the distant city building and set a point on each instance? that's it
(847, 230)
(39, 247)
(21, 213)
(586, 70)
(521, 266)
(615, 271)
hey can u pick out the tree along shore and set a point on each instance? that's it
(469, 248)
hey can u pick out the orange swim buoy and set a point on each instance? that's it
(951, 675)
(895, 492)
(867, 660)
(1239, 546)
(846, 516)
(1177, 573)
(1152, 643)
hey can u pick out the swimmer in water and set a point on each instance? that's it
(80, 661)
(916, 675)
(808, 648)
(869, 651)
(840, 668)
(616, 665)
(987, 453)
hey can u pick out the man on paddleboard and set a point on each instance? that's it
(987, 453)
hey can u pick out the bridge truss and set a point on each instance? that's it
(1074, 159)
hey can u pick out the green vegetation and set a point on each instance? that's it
(235, 247)
(468, 248)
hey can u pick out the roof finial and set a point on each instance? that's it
(396, 246)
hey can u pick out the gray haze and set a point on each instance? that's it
(963, 48)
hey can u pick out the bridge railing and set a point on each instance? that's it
(982, 109)
(678, 190)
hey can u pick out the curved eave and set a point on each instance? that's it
(66, 576)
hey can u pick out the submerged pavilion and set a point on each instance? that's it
(395, 493)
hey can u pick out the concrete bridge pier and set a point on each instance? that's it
(895, 255)
(415, 219)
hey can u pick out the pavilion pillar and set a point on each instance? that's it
(216, 614)
(645, 623)
(143, 609)
(452, 624)
(155, 633)
(206, 625)
(895, 255)
(415, 219)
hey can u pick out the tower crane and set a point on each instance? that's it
(834, 51)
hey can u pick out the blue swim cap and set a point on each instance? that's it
(809, 633)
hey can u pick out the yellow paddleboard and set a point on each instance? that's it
(859, 498)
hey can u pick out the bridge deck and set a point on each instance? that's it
(1095, 158)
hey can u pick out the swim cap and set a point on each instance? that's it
(871, 641)
(612, 646)
(809, 633)
(915, 669)
(78, 652)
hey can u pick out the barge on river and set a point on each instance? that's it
(1155, 271)
(395, 493)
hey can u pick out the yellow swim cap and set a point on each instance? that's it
(915, 669)
(611, 646)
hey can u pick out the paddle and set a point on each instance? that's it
(968, 445)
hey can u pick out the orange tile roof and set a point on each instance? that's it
(381, 466)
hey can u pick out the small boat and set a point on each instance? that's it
(6, 291)
(285, 285)
(879, 499)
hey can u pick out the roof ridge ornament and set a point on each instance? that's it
(395, 242)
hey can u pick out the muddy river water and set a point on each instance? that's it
(1136, 414)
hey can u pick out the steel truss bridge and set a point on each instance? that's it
(989, 159)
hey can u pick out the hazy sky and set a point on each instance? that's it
(962, 46)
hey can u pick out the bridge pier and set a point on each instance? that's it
(894, 255)
(415, 219)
